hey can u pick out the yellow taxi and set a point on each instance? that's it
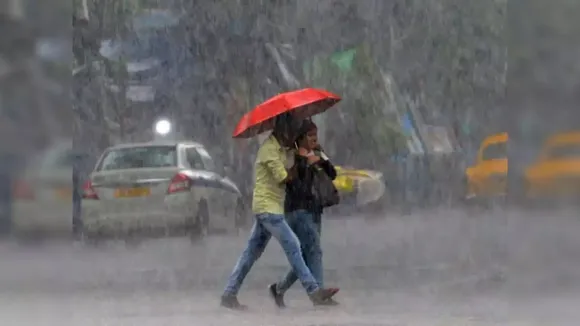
(556, 172)
(487, 177)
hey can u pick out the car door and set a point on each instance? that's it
(203, 183)
(54, 188)
(223, 199)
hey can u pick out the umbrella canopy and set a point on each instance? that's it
(303, 104)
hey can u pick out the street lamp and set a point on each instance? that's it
(163, 127)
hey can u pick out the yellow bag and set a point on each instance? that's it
(344, 183)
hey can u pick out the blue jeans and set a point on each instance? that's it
(307, 230)
(265, 226)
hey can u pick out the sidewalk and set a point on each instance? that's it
(201, 308)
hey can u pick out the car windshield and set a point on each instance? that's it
(62, 157)
(494, 152)
(564, 151)
(139, 158)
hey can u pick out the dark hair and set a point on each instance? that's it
(286, 125)
(307, 125)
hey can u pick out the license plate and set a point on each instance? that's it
(63, 193)
(132, 192)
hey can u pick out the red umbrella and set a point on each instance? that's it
(303, 103)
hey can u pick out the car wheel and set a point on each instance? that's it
(524, 198)
(199, 225)
(240, 215)
(464, 196)
(133, 240)
(30, 238)
(91, 239)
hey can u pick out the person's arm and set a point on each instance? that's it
(270, 158)
(328, 168)
(301, 183)
(276, 167)
(325, 164)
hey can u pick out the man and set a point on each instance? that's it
(271, 176)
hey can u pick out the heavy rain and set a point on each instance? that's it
(126, 200)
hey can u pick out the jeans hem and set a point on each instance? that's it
(228, 293)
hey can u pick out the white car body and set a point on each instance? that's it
(171, 198)
(370, 190)
(43, 193)
(359, 187)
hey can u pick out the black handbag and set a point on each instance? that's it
(324, 191)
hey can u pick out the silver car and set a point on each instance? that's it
(159, 189)
(43, 193)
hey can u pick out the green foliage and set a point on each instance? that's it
(543, 45)
(361, 117)
(111, 16)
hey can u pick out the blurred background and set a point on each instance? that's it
(464, 106)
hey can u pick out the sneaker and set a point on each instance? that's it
(231, 302)
(321, 295)
(278, 297)
(327, 302)
(334, 290)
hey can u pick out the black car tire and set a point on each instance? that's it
(240, 215)
(198, 227)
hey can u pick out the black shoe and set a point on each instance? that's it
(278, 297)
(231, 302)
(328, 302)
(321, 295)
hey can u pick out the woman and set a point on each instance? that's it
(271, 178)
(303, 212)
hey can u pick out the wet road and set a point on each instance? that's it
(436, 268)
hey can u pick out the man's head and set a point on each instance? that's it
(285, 128)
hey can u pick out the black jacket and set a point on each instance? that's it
(299, 190)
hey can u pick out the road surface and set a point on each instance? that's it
(432, 268)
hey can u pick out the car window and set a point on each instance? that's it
(64, 159)
(494, 152)
(208, 162)
(194, 159)
(67, 160)
(59, 159)
(206, 159)
(139, 157)
(564, 151)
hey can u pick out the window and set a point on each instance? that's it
(494, 152)
(194, 159)
(67, 160)
(60, 158)
(564, 151)
(64, 159)
(138, 158)
(207, 160)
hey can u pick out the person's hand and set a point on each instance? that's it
(313, 159)
(292, 173)
(303, 151)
